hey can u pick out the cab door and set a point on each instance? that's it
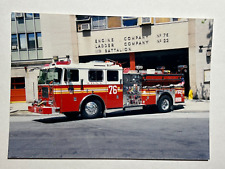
(70, 91)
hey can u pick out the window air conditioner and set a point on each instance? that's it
(145, 20)
(14, 47)
(84, 27)
(18, 15)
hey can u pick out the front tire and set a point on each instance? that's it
(91, 109)
(164, 104)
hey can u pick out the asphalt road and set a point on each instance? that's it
(121, 135)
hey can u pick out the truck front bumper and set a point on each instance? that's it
(43, 109)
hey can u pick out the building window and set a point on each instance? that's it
(39, 40)
(146, 19)
(95, 75)
(31, 40)
(14, 42)
(162, 20)
(13, 16)
(129, 21)
(20, 20)
(114, 21)
(22, 41)
(98, 22)
(36, 15)
(29, 16)
(207, 76)
(26, 37)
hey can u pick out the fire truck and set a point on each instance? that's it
(88, 89)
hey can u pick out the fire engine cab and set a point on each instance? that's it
(91, 88)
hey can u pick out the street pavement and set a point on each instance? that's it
(136, 135)
(182, 134)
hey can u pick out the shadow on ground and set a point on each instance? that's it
(178, 107)
(147, 110)
(54, 120)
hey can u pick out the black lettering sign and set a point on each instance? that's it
(107, 44)
(163, 38)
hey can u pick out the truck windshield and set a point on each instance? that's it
(50, 76)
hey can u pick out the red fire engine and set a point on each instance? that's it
(91, 88)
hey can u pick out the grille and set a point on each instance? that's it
(45, 92)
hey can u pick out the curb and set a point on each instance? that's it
(13, 111)
(191, 111)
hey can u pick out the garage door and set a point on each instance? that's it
(18, 93)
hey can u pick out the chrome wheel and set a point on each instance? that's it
(165, 104)
(91, 108)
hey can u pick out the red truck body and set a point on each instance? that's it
(91, 88)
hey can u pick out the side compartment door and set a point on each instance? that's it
(115, 89)
(179, 95)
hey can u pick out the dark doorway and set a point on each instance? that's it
(151, 60)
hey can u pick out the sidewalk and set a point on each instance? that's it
(188, 106)
(21, 109)
(195, 106)
(14, 107)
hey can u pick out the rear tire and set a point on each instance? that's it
(91, 109)
(164, 104)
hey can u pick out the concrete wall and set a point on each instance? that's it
(30, 82)
(203, 37)
(59, 37)
(200, 34)
(18, 72)
(192, 54)
(134, 39)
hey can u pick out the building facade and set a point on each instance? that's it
(133, 41)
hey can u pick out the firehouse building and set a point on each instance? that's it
(146, 42)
